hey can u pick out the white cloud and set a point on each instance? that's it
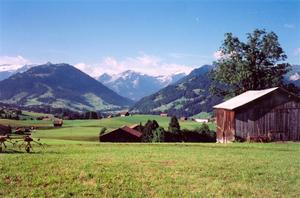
(289, 26)
(9, 63)
(218, 54)
(297, 51)
(147, 64)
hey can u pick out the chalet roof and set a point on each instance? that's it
(244, 98)
(134, 125)
(127, 130)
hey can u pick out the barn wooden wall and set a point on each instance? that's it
(225, 125)
(276, 116)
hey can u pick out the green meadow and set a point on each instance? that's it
(86, 169)
(73, 164)
(89, 129)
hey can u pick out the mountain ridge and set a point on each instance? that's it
(59, 85)
(187, 97)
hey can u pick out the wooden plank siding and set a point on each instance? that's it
(276, 116)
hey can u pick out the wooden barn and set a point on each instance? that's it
(123, 134)
(265, 115)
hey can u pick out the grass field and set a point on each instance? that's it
(89, 129)
(74, 168)
(69, 166)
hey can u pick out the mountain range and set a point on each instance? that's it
(294, 75)
(187, 97)
(59, 86)
(135, 85)
(64, 86)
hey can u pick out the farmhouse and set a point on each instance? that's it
(164, 115)
(270, 114)
(123, 134)
(123, 114)
(57, 122)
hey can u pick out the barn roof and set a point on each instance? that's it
(132, 131)
(244, 98)
(127, 130)
(134, 125)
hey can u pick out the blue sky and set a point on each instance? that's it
(155, 37)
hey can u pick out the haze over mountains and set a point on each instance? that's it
(59, 86)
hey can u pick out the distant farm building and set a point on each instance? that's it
(164, 115)
(124, 114)
(123, 134)
(201, 120)
(4, 129)
(57, 122)
(270, 114)
(183, 118)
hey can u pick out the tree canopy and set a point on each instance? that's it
(255, 64)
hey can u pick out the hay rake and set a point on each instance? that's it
(3, 139)
(24, 141)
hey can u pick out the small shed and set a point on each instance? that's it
(123, 134)
(270, 114)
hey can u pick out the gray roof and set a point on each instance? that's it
(244, 98)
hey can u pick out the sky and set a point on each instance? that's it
(152, 37)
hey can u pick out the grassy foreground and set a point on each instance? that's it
(72, 168)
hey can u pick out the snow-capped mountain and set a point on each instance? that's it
(135, 85)
(6, 71)
(294, 75)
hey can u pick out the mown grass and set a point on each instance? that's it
(66, 168)
(74, 168)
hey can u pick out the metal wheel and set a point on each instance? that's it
(27, 149)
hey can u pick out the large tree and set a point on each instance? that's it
(255, 64)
